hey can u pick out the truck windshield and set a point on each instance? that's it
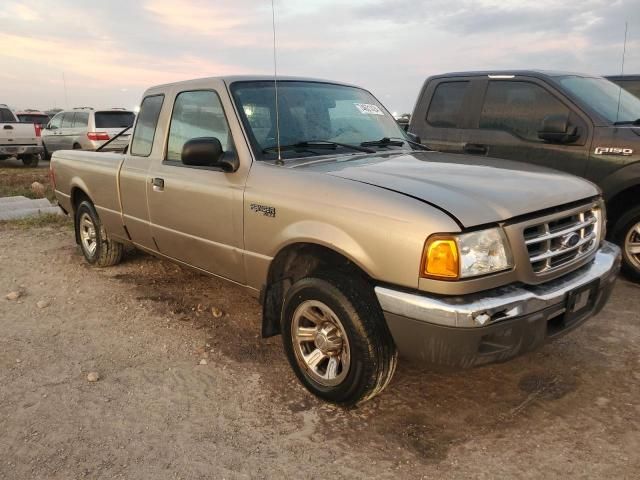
(114, 119)
(313, 116)
(602, 95)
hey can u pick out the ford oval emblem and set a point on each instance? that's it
(570, 240)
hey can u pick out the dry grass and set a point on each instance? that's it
(39, 221)
(17, 181)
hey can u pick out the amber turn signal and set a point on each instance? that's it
(441, 259)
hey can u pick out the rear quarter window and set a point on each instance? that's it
(145, 130)
(446, 104)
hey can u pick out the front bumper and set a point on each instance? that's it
(498, 324)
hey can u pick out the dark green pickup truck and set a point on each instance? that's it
(580, 124)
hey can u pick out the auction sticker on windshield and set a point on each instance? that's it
(368, 109)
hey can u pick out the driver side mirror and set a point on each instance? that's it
(556, 129)
(207, 152)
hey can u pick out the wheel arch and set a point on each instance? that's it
(621, 202)
(78, 195)
(293, 262)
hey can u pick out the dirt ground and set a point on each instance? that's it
(570, 410)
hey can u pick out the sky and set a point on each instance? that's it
(107, 53)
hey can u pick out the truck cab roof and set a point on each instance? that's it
(543, 74)
(229, 79)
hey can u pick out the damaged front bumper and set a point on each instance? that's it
(498, 324)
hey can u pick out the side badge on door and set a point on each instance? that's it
(612, 151)
(263, 209)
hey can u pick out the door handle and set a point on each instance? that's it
(158, 184)
(8, 127)
(475, 148)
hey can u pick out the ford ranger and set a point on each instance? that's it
(358, 242)
(581, 124)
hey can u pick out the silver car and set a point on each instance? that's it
(87, 129)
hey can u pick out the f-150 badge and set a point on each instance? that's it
(263, 209)
(613, 151)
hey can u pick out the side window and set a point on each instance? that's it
(56, 122)
(145, 130)
(197, 114)
(81, 120)
(518, 108)
(67, 121)
(446, 104)
(6, 116)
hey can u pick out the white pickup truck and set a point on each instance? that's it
(21, 140)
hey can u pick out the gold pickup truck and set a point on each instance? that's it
(359, 242)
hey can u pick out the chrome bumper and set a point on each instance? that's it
(500, 304)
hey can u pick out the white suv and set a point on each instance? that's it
(87, 129)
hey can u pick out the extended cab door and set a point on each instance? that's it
(196, 212)
(146, 147)
(510, 116)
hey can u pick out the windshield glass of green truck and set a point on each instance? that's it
(607, 98)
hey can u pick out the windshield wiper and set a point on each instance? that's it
(394, 142)
(628, 122)
(319, 144)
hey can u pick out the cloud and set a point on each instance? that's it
(110, 51)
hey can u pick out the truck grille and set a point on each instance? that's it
(563, 240)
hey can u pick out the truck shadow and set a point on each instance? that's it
(421, 414)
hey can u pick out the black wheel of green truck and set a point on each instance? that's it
(626, 233)
(30, 160)
(98, 249)
(336, 338)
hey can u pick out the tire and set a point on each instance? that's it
(626, 234)
(98, 249)
(363, 364)
(30, 160)
(77, 146)
(45, 153)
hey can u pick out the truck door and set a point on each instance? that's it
(145, 147)
(440, 118)
(512, 113)
(196, 212)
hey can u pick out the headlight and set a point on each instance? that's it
(600, 226)
(450, 257)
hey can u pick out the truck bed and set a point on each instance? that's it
(95, 173)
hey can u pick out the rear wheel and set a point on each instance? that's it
(98, 249)
(45, 153)
(336, 338)
(626, 233)
(30, 160)
(76, 146)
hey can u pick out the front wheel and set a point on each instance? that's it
(336, 338)
(98, 249)
(626, 233)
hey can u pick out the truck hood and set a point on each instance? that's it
(474, 190)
